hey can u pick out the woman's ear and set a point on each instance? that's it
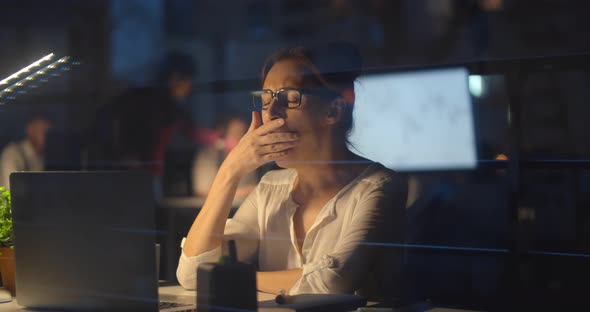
(335, 110)
(337, 107)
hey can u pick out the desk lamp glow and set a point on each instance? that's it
(32, 75)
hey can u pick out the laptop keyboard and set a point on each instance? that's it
(169, 305)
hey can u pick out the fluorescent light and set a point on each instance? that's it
(26, 69)
(30, 80)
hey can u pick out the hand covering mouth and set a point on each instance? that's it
(283, 130)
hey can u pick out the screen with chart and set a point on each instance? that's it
(415, 121)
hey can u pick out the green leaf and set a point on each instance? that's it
(5, 218)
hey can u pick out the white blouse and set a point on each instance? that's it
(339, 250)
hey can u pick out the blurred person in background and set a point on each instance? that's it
(151, 128)
(148, 119)
(28, 154)
(231, 128)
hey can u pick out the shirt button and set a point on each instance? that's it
(328, 261)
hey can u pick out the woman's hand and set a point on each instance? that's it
(260, 145)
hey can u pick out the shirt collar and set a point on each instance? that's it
(330, 209)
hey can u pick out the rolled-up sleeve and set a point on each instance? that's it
(377, 219)
(242, 228)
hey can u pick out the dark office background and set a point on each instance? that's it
(119, 44)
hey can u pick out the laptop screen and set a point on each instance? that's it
(415, 121)
(85, 240)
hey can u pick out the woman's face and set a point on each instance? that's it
(307, 120)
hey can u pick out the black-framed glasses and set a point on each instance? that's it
(286, 97)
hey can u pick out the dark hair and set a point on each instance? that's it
(333, 66)
(36, 116)
(175, 62)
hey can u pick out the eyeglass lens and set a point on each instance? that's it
(285, 98)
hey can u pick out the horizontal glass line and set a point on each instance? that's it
(438, 247)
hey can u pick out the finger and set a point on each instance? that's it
(256, 122)
(274, 156)
(278, 137)
(270, 126)
(277, 147)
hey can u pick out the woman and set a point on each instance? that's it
(306, 226)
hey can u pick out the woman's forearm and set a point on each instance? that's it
(243, 191)
(206, 233)
(275, 281)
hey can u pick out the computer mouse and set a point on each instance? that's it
(5, 296)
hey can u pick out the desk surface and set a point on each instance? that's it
(176, 293)
(167, 292)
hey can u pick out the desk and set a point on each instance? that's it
(175, 293)
(167, 292)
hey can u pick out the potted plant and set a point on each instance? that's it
(7, 266)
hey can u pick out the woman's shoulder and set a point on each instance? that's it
(279, 177)
(379, 174)
(381, 181)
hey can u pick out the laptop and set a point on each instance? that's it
(85, 241)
